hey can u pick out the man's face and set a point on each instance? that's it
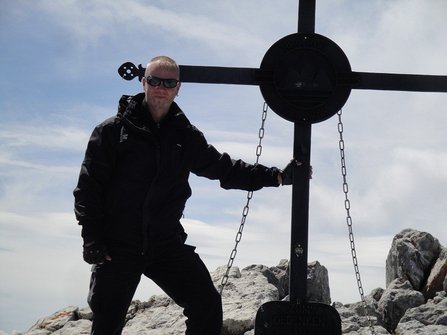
(160, 97)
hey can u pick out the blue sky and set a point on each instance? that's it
(59, 79)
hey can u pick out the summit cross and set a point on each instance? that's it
(305, 78)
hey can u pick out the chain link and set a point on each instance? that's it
(247, 204)
(341, 145)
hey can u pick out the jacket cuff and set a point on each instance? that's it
(275, 173)
(90, 232)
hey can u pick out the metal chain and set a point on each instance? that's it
(341, 145)
(247, 205)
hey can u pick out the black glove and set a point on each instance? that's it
(287, 173)
(95, 253)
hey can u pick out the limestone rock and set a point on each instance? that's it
(411, 257)
(415, 327)
(356, 317)
(281, 272)
(372, 303)
(437, 277)
(159, 316)
(79, 327)
(318, 283)
(430, 318)
(244, 295)
(354, 323)
(54, 322)
(395, 301)
(434, 312)
(416, 263)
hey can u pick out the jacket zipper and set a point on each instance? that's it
(148, 198)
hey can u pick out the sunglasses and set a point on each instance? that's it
(155, 81)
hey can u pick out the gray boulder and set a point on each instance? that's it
(395, 301)
(438, 274)
(411, 257)
(358, 318)
(281, 272)
(430, 318)
(318, 283)
(245, 292)
(415, 266)
(54, 323)
(160, 315)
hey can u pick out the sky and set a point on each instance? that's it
(59, 64)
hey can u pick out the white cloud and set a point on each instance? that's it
(41, 258)
(88, 22)
(38, 169)
(51, 137)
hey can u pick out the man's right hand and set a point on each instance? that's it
(95, 253)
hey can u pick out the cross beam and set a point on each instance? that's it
(305, 78)
(255, 76)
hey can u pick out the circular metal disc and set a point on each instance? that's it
(306, 78)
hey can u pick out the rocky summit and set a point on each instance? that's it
(414, 301)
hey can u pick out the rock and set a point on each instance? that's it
(243, 296)
(433, 314)
(367, 331)
(79, 327)
(395, 301)
(245, 292)
(54, 322)
(218, 274)
(281, 272)
(355, 316)
(416, 263)
(411, 257)
(159, 316)
(38, 332)
(437, 277)
(85, 313)
(353, 323)
(318, 283)
(370, 309)
(415, 327)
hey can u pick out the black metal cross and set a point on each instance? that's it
(305, 78)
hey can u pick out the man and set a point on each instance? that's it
(130, 196)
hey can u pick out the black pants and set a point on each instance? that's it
(178, 270)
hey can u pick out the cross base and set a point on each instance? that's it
(287, 318)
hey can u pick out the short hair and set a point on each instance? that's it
(165, 62)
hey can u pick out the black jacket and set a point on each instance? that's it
(133, 183)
